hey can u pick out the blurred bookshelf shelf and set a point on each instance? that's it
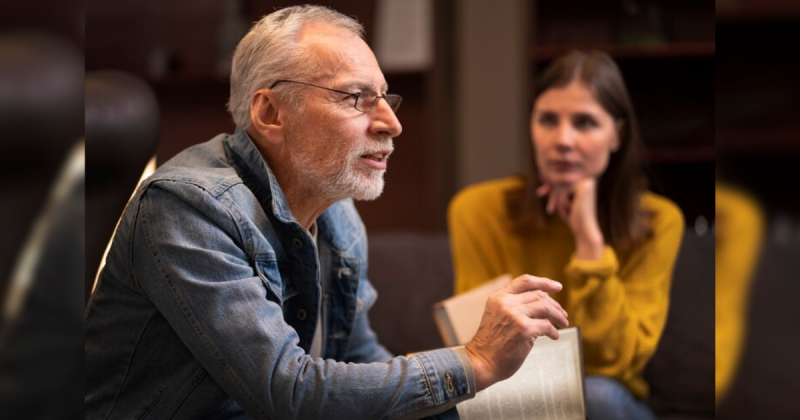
(190, 80)
(673, 50)
(700, 154)
(748, 10)
(214, 81)
(666, 51)
(759, 142)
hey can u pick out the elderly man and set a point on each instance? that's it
(236, 283)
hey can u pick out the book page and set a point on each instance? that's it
(548, 386)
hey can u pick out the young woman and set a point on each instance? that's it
(583, 216)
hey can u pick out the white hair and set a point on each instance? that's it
(270, 51)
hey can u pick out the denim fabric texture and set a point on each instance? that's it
(208, 302)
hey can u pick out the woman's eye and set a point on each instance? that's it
(548, 120)
(585, 123)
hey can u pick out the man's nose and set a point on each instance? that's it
(385, 121)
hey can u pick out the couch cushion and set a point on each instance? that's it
(767, 380)
(411, 272)
(681, 372)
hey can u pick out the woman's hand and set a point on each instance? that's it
(576, 205)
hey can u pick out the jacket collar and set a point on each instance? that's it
(258, 177)
(339, 224)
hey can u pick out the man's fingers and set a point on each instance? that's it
(525, 283)
(538, 328)
(536, 295)
(531, 296)
(546, 309)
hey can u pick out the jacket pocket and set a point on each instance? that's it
(270, 274)
(366, 297)
(147, 409)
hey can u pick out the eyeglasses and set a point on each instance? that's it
(366, 100)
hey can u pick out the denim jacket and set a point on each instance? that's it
(208, 304)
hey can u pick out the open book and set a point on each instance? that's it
(549, 385)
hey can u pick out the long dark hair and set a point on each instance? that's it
(619, 188)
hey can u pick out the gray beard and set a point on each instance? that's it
(346, 181)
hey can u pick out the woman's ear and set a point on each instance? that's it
(266, 120)
(618, 126)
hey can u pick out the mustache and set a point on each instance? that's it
(379, 145)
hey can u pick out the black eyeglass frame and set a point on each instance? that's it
(388, 97)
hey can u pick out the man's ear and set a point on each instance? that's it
(618, 125)
(265, 118)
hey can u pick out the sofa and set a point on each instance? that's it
(412, 271)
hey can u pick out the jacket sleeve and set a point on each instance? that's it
(189, 260)
(364, 346)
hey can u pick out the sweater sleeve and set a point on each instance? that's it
(738, 242)
(622, 310)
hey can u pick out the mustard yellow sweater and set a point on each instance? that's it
(739, 232)
(621, 306)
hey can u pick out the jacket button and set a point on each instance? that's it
(448, 383)
(302, 314)
(297, 243)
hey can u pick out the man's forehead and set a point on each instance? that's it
(359, 85)
(343, 57)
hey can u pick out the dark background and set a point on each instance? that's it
(704, 119)
(666, 50)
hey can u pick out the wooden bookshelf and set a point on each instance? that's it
(699, 154)
(749, 10)
(759, 142)
(666, 51)
(176, 50)
(623, 52)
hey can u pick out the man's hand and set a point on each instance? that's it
(515, 317)
(576, 205)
